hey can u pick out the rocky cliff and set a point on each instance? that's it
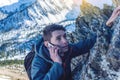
(103, 60)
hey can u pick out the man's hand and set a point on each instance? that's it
(114, 15)
(54, 54)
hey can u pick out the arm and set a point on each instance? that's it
(114, 15)
(110, 22)
(40, 70)
(83, 46)
(107, 32)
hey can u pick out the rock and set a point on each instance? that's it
(103, 60)
(116, 2)
(88, 9)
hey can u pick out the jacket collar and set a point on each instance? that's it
(42, 51)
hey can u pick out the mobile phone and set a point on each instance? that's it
(50, 45)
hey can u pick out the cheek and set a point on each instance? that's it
(53, 40)
(56, 42)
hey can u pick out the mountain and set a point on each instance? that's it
(21, 23)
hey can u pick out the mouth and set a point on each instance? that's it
(65, 47)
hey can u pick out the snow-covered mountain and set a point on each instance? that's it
(22, 21)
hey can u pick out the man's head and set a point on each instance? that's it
(55, 34)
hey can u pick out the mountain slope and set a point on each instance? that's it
(21, 26)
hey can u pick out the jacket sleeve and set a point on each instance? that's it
(108, 32)
(83, 46)
(40, 70)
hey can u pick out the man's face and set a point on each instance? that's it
(59, 38)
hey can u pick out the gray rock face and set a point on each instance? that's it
(103, 60)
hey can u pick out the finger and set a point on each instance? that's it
(116, 9)
(119, 13)
(52, 50)
(56, 51)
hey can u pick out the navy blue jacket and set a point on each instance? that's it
(43, 68)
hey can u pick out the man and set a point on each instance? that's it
(52, 59)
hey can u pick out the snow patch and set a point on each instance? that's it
(14, 5)
(7, 2)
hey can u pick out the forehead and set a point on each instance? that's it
(58, 33)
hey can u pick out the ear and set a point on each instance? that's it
(46, 43)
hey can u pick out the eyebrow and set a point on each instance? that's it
(60, 35)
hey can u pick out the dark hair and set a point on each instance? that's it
(47, 32)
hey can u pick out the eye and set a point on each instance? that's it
(59, 38)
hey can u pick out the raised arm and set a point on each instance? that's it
(83, 46)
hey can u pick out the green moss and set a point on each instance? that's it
(11, 62)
